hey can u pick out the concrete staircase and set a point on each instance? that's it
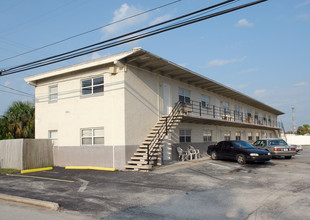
(149, 153)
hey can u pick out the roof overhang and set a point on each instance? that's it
(145, 60)
(32, 80)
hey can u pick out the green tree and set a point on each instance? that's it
(302, 130)
(18, 121)
(3, 128)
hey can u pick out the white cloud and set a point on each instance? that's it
(160, 19)
(259, 91)
(244, 23)
(303, 4)
(303, 17)
(224, 62)
(260, 94)
(122, 13)
(300, 84)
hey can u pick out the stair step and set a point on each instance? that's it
(139, 167)
(158, 125)
(143, 158)
(151, 135)
(151, 146)
(144, 154)
(175, 120)
(140, 162)
(139, 154)
(157, 128)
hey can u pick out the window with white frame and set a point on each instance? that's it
(185, 135)
(237, 111)
(249, 115)
(238, 135)
(225, 106)
(250, 137)
(264, 119)
(226, 135)
(256, 118)
(257, 136)
(53, 93)
(184, 95)
(249, 112)
(92, 136)
(53, 135)
(205, 101)
(207, 135)
(92, 86)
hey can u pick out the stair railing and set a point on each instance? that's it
(163, 130)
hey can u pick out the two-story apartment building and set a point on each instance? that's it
(101, 112)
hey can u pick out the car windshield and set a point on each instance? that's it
(277, 142)
(242, 144)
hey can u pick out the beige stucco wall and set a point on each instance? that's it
(144, 105)
(141, 104)
(72, 112)
(218, 132)
(130, 106)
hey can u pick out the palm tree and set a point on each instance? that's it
(19, 119)
(3, 128)
(305, 129)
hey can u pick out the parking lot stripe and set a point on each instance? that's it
(39, 177)
(292, 166)
(219, 165)
(83, 186)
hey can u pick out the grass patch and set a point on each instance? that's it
(5, 171)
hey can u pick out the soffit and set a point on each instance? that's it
(150, 62)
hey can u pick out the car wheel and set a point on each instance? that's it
(288, 157)
(241, 159)
(214, 155)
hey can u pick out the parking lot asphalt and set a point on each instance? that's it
(198, 189)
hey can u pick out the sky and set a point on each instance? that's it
(262, 51)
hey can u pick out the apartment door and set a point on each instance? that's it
(166, 99)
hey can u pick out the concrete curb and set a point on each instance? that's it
(36, 170)
(35, 202)
(90, 168)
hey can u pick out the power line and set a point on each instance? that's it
(16, 93)
(92, 30)
(125, 35)
(10, 7)
(89, 49)
(25, 93)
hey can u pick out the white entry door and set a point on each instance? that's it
(166, 99)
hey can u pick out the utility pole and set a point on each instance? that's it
(293, 120)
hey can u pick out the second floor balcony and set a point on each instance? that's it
(196, 112)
